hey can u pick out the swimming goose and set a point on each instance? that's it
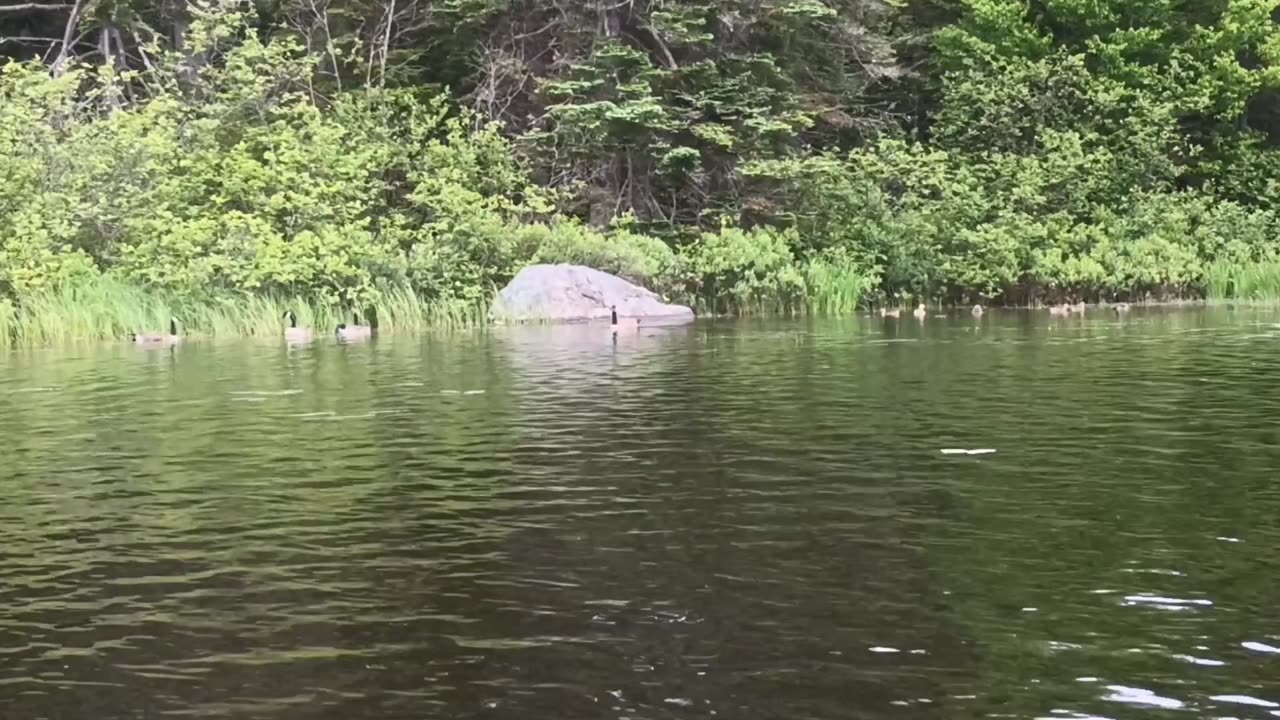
(977, 311)
(616, 323)
(1079, 307)
(354, 331)
(887, 313)
(295, 334)
(1062, 309)
(1120, 308)
(172, 338)
(920, 312)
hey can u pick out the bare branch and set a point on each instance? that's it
(104, 47)
(19, 39)
(522, 36)
(23, 7)
(65, 50)
(142, 51)
(386, 44)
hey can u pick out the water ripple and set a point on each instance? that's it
(751, 520)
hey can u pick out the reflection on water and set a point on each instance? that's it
(1014, 517)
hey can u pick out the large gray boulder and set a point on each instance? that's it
(574, 293)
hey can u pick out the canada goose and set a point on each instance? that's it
(354, 331)
(172, 338)
(977, 311)
(920, 312)
(1120, 308)
(887, 313)
(1079, 307)
(616, 323)
(295, 334)
(1062, 309)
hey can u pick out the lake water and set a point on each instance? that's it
(748, 520)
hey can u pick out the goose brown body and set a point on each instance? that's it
(173, 338)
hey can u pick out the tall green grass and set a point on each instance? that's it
(105, 309)
(1257, 282)
(832, 289)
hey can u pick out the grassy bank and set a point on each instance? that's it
(104, 309)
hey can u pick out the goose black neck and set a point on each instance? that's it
(173, 326)
(613, 316)
(293, 320)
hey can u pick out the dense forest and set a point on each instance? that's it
(737, 154)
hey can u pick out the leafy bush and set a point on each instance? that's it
(254, 185)
(1015, 228)
(743, 271)
(641, 259)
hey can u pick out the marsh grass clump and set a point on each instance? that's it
(1252, 282)
(101, 308)
(834, 289)
(1259, 282)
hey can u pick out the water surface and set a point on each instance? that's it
(746, 520)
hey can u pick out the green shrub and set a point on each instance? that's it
(252, 185)
(1015, 227)
(642, 259)
(741, 271)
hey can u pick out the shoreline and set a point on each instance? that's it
(265, 327)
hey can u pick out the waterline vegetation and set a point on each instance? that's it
(106, 309)
(245, 159)
(1255, 283)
